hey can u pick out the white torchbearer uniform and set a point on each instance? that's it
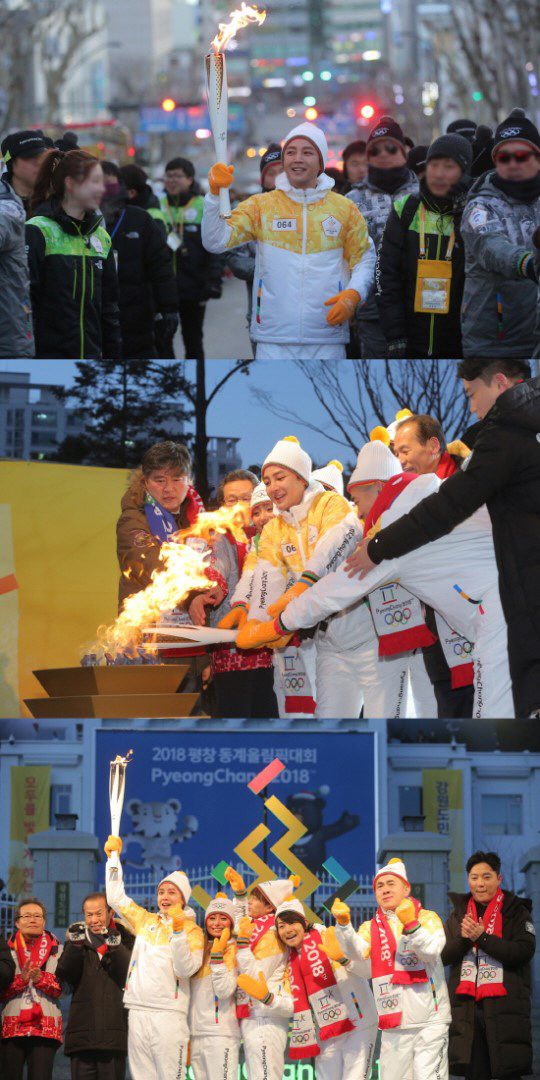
(456, 575)
(273, 351)
(265, 1030)
(215, 1032)
(157, 986)
(418, 1048)
(350, 1056)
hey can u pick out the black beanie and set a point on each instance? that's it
(271, 155)
(453, 146)
(463, 127)
(516, 126)
(417, 157)
(387, 128)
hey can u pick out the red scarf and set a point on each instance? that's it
(446, 466)
(260, 928)
(388, 974)
(38, 955)
(312, 982)
(481, 976)
(418, 635)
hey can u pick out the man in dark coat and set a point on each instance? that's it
(504, 473)
(147, 292)
(94, 964)
(490, 940)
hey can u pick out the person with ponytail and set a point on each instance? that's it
(73, 284)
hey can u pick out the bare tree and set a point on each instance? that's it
(48, 33)
(489, 47)
(355, 395)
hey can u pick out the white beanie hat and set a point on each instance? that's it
(395, 867)
(331, 474)
(291, 905)
(260, 495)
(314, 134)
(289, 453)
(374, 462)
(179, 879)
(220, 905)
(276, 891)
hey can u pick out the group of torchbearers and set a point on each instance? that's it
(429, 574)
(261, 972)
(434, 257)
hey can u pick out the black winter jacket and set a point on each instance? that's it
(198, 272)
(73, 286)
(503, 472)
(146, 281)
(397, 263)
(507, 1019)
(7, 964)
(97, 1019)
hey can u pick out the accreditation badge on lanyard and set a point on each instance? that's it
(433, 276)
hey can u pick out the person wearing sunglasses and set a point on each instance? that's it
(388, 178)
(499, 310)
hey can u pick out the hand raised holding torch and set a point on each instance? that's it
(117, 785)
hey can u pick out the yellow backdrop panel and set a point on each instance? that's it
(57, 526)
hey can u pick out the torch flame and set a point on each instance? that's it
(243, 15)
(119, 760)
(182, 570)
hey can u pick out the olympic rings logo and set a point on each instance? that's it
(331, 1014)
(389, 1003)
(397, 616)
(408, 961)
(294, 683)
(463, 648)
(300, 1037)
(488, 974)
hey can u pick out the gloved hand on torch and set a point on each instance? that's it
(342, 306)
(220, 176)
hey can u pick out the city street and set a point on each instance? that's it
(225, 332)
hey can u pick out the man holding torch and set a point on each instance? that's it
(315, 261)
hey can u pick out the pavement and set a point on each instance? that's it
(225, 329)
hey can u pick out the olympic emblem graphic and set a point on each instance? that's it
(397, 616)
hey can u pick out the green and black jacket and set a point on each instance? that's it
(73, 286)
(426, 335)
(198, 272)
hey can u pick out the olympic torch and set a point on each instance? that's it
(217, 89)
(117, 786)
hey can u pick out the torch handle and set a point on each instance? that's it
(224, 203)
(114, 861)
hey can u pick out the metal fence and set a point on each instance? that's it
(142, 886)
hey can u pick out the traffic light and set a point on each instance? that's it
(311, 113)
(168, 104)
(367, 111)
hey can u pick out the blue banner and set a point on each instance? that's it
(186, 118)
(187, 804)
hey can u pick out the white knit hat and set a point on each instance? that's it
(289, 453)
(374, 462)
(260, 495)
(291, 905)
(276, 891)
(331, 474)
(395, 867)
(315, 135)
(179, 879)
(220, 905)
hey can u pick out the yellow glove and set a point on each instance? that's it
(342, 306)
(235, 880)
(341, 912)
(254, 634)
(219, 944)
(114, 843)
(406, 912)
(256, 988)
(295, 590)
(244, 930)
(237, 616)
(178, 917)
(220, 176)
(331, 946)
